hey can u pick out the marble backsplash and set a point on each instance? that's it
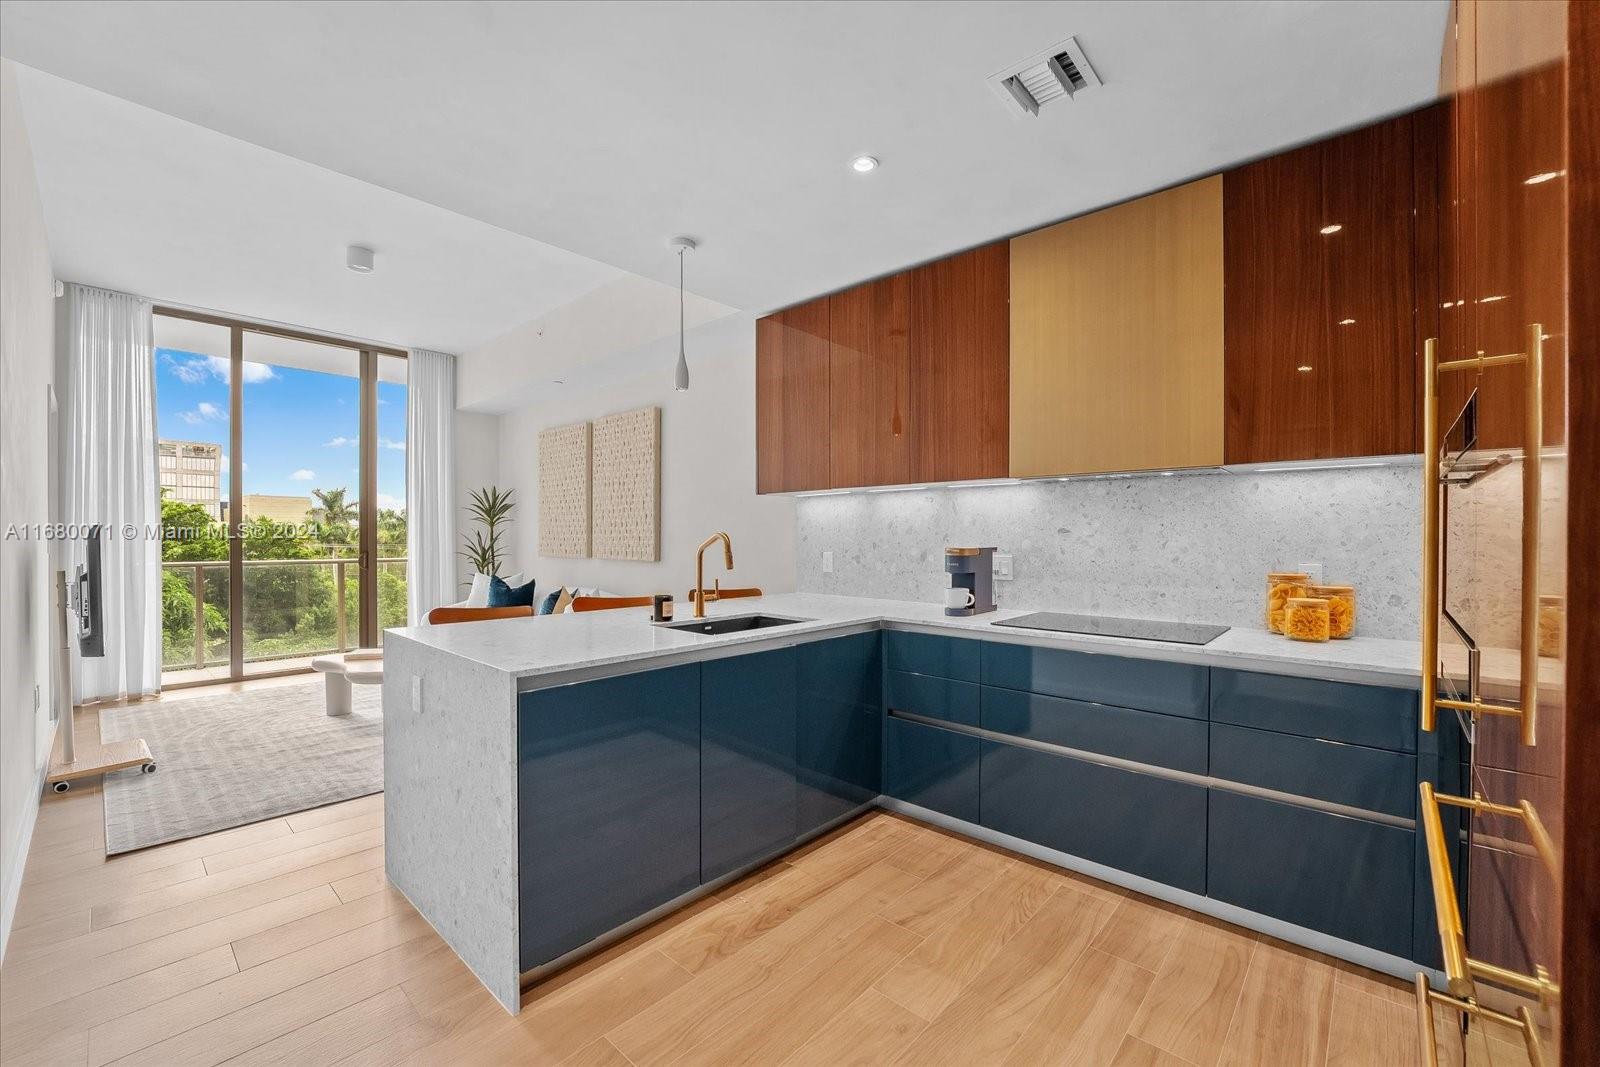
(1187, 546)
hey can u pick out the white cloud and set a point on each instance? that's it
(303, 475)
(188, 371)
(195, 371)
(398, 446)
(205, 411)
(392, 503)
(340, 442)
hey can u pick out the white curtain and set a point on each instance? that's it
(111, 479)
(430, 481)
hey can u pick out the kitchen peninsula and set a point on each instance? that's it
(551, 780)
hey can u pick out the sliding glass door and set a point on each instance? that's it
(299, 550)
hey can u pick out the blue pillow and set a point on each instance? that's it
(502, 595)
(547, 606)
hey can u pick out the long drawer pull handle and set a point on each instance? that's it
(1428, 1041)
(1460, 969)
(1527, 708)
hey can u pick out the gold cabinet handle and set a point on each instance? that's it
(1460, 969)
(1428, 1041)
(1527, 708)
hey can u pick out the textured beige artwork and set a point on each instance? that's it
(627, 485)
(564, 491)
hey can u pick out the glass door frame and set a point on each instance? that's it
(367, 482)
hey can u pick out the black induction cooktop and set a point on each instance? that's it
(1181, 633)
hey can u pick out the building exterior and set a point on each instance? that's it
(288, 510)
(191, 471)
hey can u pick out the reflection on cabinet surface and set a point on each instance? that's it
(1117, 335)
(1320, 321)
(792, 399)
(961, 365)
(869, 383)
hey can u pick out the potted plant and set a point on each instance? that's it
(491, 508)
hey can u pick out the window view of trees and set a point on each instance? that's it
(303, 587)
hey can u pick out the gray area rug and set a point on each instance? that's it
(228, 760)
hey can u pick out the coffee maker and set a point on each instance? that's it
(972, 570)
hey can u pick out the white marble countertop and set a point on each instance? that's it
(543, 648)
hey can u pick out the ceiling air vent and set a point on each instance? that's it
(1054, 74)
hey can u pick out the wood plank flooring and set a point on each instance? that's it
(886, 942)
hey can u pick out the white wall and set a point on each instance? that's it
(708, 471)
(27, 369)
(477, 466)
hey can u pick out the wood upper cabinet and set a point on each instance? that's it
(870, 420)
(960, 366)
(1117, 338)
(792, 399)
(1321, 326)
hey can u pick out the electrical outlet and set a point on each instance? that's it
(1313, 569)
(1002, 567)
(827, 563)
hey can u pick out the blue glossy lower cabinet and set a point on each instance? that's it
(747, 759)
(839, 728)
(1341, 875)
(1149, 826)
(931, 767)
(608, 804)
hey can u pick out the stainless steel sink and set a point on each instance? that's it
(731, 624)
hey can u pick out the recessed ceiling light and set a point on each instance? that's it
(1347, 322)
(1542, 177)
(863, 164)
(358, 259)
(1333, 228)
(1304, 368)
(1491, 299)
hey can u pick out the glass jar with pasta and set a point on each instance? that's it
(1341, 608)
(1281, 585)
(1305, 618)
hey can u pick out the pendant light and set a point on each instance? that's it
(680, 380)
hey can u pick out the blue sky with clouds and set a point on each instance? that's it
(300, 426)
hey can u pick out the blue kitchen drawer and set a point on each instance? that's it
(1146, 685)
(1148, 826)
(608, 804)
(934, 698)
(1374, 779)
(1372, 715)
(941, 657)
(931, 768)
(1142, 736)
(1344, 876)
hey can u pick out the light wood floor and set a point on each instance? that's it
(885, 942)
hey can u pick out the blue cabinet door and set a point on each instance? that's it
(931, 767)
(608, 804)
(1342, 875)
(1149, 826)
(1098, 678)
(1372, 715)
(933, 655)
(932, 698)
(839, 739)
(747, 759)
(1174, 741)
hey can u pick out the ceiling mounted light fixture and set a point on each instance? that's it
(359, 259)
(1543, 176)
(863, 164)
(1330, 229)
(680, 380)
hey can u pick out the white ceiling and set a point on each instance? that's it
(606, 128)
(142, 202)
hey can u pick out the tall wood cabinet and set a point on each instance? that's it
(1116, 338)
(792, 445)
(1320, 324)
(869, 384)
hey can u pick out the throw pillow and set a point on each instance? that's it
(547, 606)
(478, 596)
(504, 595)
(563, 603)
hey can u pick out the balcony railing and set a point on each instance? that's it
(293, 608)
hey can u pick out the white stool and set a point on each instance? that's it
(364, 666)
